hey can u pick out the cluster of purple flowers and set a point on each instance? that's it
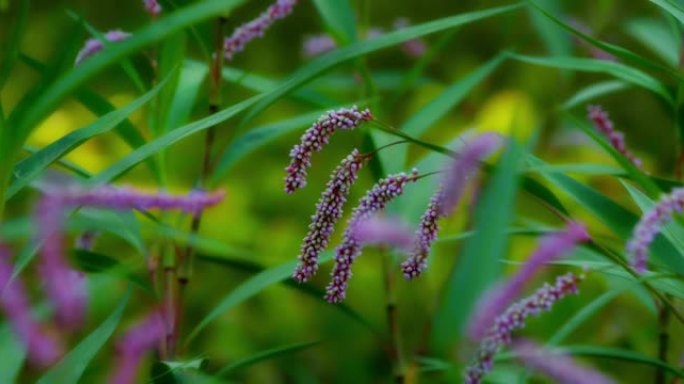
(603, 124)
(256, 28)
(94, 45)
(375, 200)
(132, 347)
(501, 333)
(650, 225)
(316, 137)
(446, 198)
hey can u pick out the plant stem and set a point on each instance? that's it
(396, 347)
(664, 313)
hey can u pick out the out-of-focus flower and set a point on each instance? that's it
(375, 200)
(561, 368)
(42, 349)
(132, 347)
(594, 51)
(384, 231)
(413, 47)
(514, 318)
(256, 28)
(446, 198)
(328, 211)
(316, 137)
(496, 300)
(603, 124)
(650, 225)
(152, 7)
(318, 45)
(94, 45)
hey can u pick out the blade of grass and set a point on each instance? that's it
(265, 356)
(12, 43)
(594, 91)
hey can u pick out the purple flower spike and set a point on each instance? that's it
(446, 198)
(256, 28)
(500, 334)
(153, 7)
(318, 45)
(561, 368)
(132, 347)
(497, 299)
(650, 225)
(328, 211)
(465, 165)
(373, 202)
(316, 137)
(94, 45)
(603, 124)
(377, 230)
(42, 349)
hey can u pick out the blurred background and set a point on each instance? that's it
(259, 226)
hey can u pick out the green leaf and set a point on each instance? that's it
(247, 289)
(256, 138)
(28, 169)
(478, 264)
(656, 36)
(594, 91)
(355, 50)
(13, 355)
(163, 142)
(190, 82)
(556, 40)
(339, 19)
(154, 32)
(12, 42)
(672, 8)
(266, 355)
(71, 367)
(615, 69)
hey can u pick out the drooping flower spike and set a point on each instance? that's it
(316, 137)
(256, 28)
(603, 124)
(132, 347)
(66, 287)
(500, 334)
(446, 198)
(650, 225)
(153, 7)
(375, 200)
(562, 369)
(42, 348)
(328, 210)
(94, 45)
(501, 296)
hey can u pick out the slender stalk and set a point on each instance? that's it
(396, 345)
(663, 340)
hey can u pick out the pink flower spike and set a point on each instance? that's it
(650, 224)
(561, 368)
(373, 202)
(132, 347)
(256, 28)
(495, 301)
(328, 211)
(42, 349)
(384, 231)
(604, 125)
(318, 45)
(152, 7)
(94, 45)
(315, 138)
(501, 333)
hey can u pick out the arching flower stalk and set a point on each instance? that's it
(132, 347)
(375, 200)
(603, 124)
(650, 225)
(66, 287)
(500, 334)
(42, 348)
(446, 198)
(328, 210)
(316, 137)
(501, 296)
(94, 45)
(256, 28)
(560, 368)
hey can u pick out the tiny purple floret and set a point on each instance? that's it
(603, 124)
(152, 7)
(94, 45)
